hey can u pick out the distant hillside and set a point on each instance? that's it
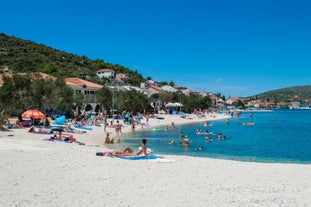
(26, 56)
(285, 94)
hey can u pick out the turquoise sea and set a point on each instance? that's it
(282, 136)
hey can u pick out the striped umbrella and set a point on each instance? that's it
(33, 114)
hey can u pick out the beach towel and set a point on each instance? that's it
(83, 127)
(140, 157)
(134, 157)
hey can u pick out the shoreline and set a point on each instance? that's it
(42, 173)
(177, 120)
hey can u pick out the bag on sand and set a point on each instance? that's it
(99, 154)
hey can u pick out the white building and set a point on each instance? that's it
(169, 88)
(105, 73)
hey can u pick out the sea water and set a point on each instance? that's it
(277, 136)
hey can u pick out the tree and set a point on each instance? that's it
(171, 83)
(166, 97)
(64, 94)
(132, 100)
(7, 93)
(239, 104)
(41, 92)
(205, 102)
(104, 97)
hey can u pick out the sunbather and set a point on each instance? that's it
(142, 150)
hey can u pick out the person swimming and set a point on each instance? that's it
(199, 148)
(172, 141)
(209, 138)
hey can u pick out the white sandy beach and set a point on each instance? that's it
(34, 172)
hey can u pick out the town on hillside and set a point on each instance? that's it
(118, 82)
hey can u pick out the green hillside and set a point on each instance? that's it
(26, 56)
(285, 94)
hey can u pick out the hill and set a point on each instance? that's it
(26, 56)
(284, 94)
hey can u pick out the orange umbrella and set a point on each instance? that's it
(34, 114)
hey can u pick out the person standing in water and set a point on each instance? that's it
(181, 137)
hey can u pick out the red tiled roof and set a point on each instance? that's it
(81, 82)
(234, 98)
(105, 70)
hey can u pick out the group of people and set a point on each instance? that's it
(198, 131)
(58, 135)
(183, 140)
(219, 137)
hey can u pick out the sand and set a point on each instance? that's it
(34, 172)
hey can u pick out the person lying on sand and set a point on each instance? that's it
(142, 150)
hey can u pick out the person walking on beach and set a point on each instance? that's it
(105, 124)
(133, 126)
(118, 128)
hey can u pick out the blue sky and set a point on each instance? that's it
(232, 47)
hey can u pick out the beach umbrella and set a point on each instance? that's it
(177, 104)
(170, 105)
(33, 114)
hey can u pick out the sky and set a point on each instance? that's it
(233, 47)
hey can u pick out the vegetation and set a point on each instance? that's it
(19, 55)
(26, 56)
(285, 94)
(21, 92)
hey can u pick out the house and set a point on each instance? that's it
(218, 102)
(283, 104)
(151, 87)
(169, 88)
(155, 90)
(232, 100)
(86, 88)
(123, 77)
(296, 102)
(105, 73)
(187, 92)
(204, 94)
